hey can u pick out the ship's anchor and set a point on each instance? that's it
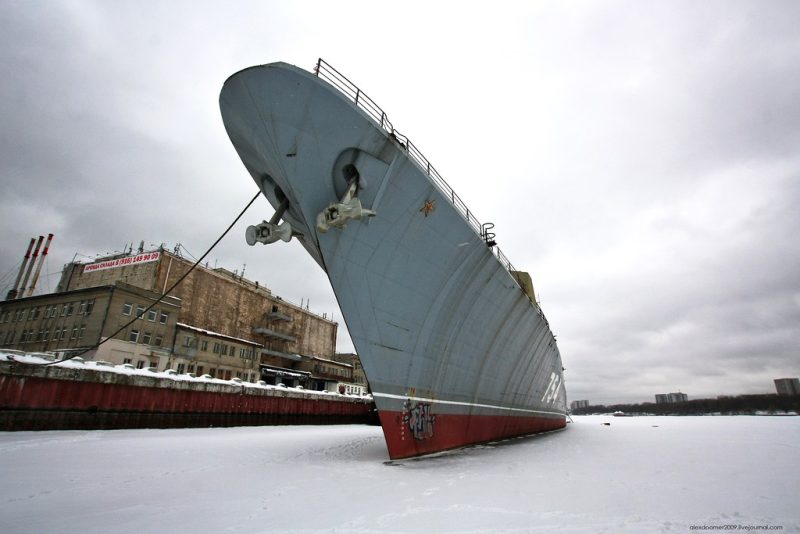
(337, 214)
(269, 232)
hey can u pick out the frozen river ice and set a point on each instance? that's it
(638, 474)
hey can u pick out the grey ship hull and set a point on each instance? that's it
(454, 350)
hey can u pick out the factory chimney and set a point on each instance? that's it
(39, 267)
(24, 284)
(12, 293)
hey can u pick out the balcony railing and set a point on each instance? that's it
(350, 90)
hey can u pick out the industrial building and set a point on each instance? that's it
(217, 322)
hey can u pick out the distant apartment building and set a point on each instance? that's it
(787, 386)
(220, 323)
(579, 404)
(671, 398)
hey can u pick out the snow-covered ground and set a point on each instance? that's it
(638, 474)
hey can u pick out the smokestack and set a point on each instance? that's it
(39, 267)
(21, 289)
(12, 293)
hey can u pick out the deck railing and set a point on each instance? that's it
(349, 89)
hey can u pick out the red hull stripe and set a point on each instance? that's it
(407, 437)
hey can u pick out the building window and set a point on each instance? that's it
(204, 345)
(140, 364)
(224, 349)
(187, 341)
(126, 360)
(134, 336)
(181, 368)
(126, 308)
(86, 307)
(216, 348)
(70, 308)
(191, 368)
(157, 341)
(151, 315)
(200, 370)
(212, 372)
(146, 338)
(74, 333)
(164, 317)
(35, 313)
(154, 365)
(81, 332)
(46, 335)
(139, 311)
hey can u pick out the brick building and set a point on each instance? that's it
(216, 300)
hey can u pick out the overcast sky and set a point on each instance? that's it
(639, 159)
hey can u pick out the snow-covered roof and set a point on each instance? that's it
(217, 334)
(326, 360)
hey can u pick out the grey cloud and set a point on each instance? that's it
(638, 158)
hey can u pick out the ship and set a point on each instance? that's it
(455, 347)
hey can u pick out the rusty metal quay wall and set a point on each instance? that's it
(35, 397)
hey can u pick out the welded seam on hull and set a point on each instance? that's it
(457, 403)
